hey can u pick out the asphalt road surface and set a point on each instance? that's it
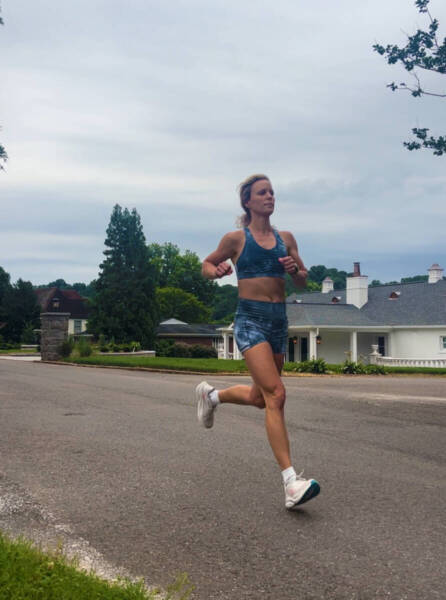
(118, 457)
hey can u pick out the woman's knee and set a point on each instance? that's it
(275, 398)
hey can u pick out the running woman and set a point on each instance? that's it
(261, 256)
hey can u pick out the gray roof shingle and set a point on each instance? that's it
(418, 303)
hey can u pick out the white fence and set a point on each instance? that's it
(387, 361)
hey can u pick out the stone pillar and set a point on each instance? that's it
(54, 327)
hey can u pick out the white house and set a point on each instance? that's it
(406, 323)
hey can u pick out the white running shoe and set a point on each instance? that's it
(300, 490)
(205, 408)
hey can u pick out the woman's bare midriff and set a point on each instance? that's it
(264, 289)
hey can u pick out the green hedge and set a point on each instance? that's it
(209, 365)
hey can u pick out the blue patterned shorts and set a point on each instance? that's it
(257, 322)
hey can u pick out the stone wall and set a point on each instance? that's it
(54, 328)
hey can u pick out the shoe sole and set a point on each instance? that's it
(312, 492)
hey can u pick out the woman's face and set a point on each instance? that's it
(262, 198)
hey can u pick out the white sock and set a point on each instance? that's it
(213, 396)
(289, 475)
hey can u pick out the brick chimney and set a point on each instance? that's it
(435, 273)
(357, 287)
(327, 285)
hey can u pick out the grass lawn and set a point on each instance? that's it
(19, 351)
(27, 573)
(208, 365)
(216, 365)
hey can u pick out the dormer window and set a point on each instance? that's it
(55, 303)
(394, 295)
(336, 299)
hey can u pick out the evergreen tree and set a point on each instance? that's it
(124, 305)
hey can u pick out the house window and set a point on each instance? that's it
(77, 325)
(443, 342)
(382, 345)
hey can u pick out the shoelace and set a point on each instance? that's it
(298, 478)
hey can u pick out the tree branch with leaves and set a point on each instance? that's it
(423, 51)
(3, 155)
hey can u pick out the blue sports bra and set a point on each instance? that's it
(256, 261)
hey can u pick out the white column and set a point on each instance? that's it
(225, 344)
(236, 355)
(354, 346)
(313, 345)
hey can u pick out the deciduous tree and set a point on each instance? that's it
(181, 271)
(175, 303)
(424, 51)
(20, 310)
(3, 155)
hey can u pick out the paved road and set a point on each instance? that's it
(118, 456)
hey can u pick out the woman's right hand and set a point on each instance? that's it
(223, 269)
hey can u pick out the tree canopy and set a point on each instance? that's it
(3, 155)
(426, 52)
(124, 305)
(84, 289)
(181, 271)
(175, 303)
(19, 308)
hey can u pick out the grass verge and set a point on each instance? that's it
(208, 365)
(218, 365)
(27, 573)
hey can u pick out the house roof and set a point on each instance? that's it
(319, 315)
(418, 303)
(70, 301)
(188, 329)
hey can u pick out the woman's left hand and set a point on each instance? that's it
(289, 264)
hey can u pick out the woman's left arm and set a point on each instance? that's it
(293, 264)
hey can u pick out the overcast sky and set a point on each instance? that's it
(167, 106)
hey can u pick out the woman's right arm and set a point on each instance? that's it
(215, 265)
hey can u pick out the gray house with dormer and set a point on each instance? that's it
(387, 324)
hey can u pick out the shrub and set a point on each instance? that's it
(84, 347)
(312, 366)
(162, 347)
(115, 347)
(135, 346)
(67, 347)
(201, 351)
(375, 370)
(180, 351)
(353, 368)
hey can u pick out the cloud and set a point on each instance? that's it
(167, 106)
